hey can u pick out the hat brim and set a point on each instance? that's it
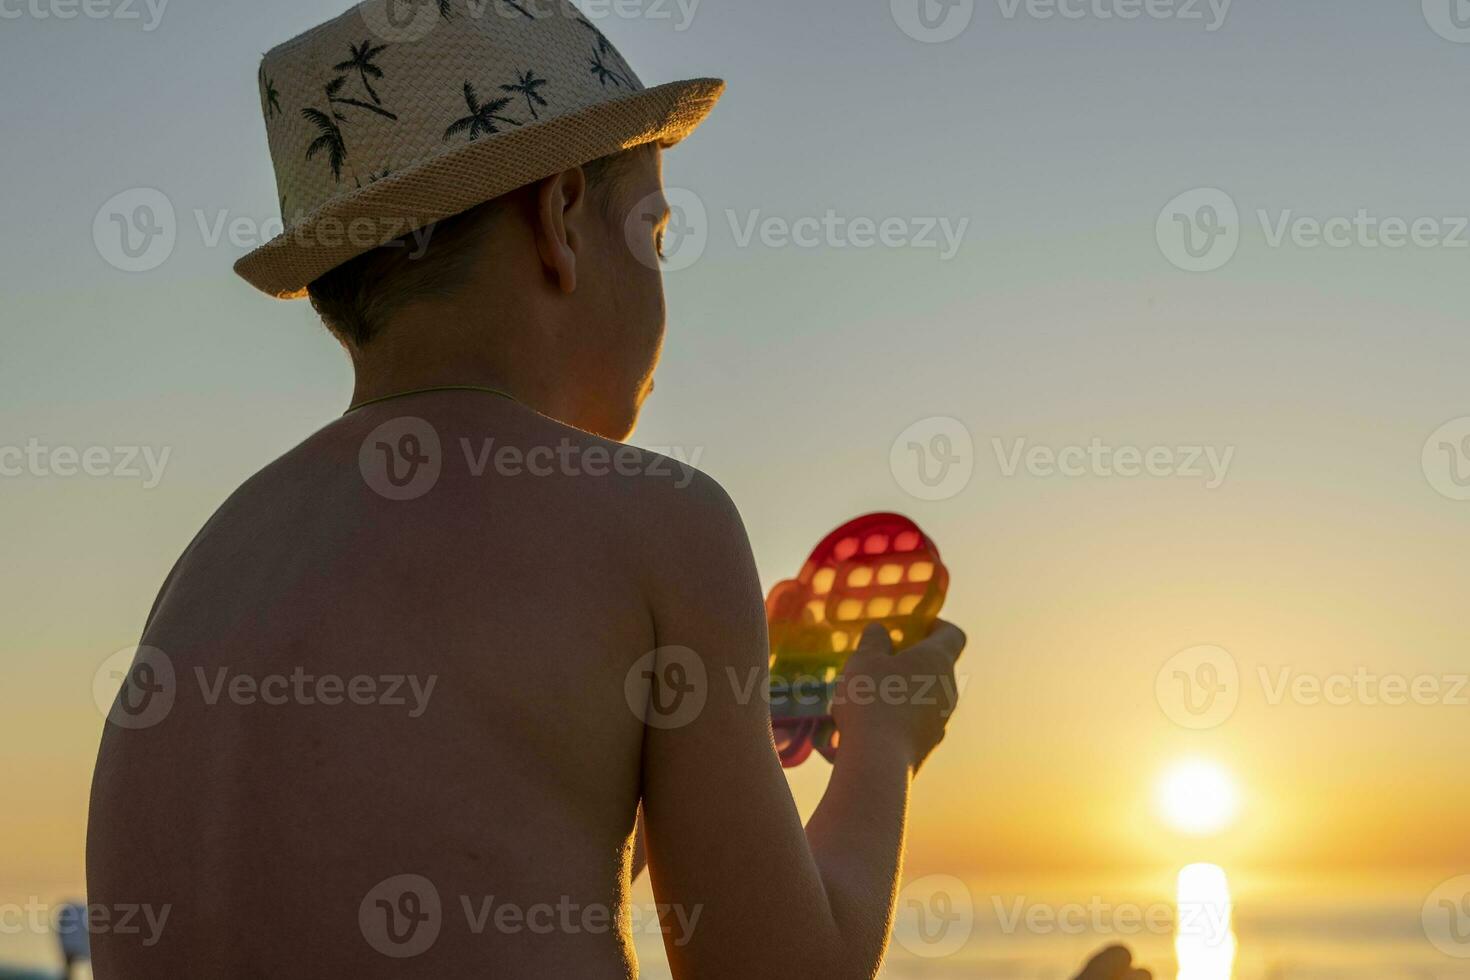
(468, 176)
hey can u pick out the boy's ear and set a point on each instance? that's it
(561, 201)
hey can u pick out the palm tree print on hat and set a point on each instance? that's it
(603, 72)
(482, 118)
(526, 84)
(362, 62)
(335, 86)
(271, 95)
(329, 138)
(603, 44)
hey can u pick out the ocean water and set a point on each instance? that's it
(1399, 929)
(1207, 926)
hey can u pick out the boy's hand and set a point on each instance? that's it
(900, 699)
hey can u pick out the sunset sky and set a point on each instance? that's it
(1325, 550)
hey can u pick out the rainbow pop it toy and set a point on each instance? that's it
(876, 569)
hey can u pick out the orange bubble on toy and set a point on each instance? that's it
(876, 569)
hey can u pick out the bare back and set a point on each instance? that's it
(399, 739)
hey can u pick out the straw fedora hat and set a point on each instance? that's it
(400, 113)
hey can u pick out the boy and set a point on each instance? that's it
(399, 703)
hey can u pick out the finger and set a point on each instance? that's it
(946, 638)
(1110, 964)
(875, 639)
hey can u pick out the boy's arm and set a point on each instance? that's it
(749, 892)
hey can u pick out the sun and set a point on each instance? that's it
(1197, 797)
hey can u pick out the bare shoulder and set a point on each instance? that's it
(677, 524)
(483, 488)
(656, 500)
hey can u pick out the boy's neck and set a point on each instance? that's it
(412, 356)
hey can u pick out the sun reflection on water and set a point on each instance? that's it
(1204, 941)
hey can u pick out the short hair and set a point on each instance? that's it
(357, 298)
